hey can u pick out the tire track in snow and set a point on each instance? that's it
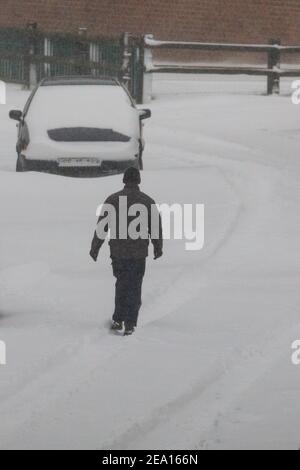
(200, 408)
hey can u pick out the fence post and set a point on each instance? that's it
(139, 53)
(30, 63)
(82, 53)
(274, 63)
(125, 69)
(148, 77)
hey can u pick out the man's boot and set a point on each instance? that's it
(129, 330)
(116, 325)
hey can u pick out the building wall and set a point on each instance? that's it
(205, 20)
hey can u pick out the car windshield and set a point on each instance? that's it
(102, 107)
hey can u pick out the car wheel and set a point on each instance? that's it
(21, 164)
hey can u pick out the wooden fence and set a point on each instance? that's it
(272, 70)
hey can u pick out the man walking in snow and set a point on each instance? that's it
(129, 252)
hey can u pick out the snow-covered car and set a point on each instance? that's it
(81, 123)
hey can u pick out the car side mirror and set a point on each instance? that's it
(145, 114)
(16, 115)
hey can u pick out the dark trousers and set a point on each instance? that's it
(129, 274)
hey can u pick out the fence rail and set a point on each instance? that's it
(150, 42)
(258, 71)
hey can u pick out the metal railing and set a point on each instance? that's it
(27, 55)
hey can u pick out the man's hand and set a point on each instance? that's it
(95, 248)
(157, 254)
(94, 255)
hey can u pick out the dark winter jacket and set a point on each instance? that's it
(129, 248)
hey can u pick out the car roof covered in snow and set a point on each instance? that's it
(77, 80)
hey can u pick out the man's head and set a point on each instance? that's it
(132, 176)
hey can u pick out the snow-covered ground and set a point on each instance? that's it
(210, 366)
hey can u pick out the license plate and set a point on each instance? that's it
(76, 162)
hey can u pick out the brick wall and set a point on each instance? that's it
(205, 20)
